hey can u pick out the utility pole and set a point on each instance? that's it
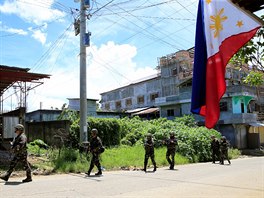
(83, 97)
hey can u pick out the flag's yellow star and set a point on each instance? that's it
(208, 1)
(239, 23)
(217, 20)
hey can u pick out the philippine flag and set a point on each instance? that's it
(221, 30)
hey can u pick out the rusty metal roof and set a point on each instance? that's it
(10, 75)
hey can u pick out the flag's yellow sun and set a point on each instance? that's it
(217, 20)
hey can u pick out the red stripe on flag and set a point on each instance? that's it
(215, 75)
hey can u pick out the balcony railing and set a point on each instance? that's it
(260, 116)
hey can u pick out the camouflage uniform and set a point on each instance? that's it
(215, 147)
(95, 146)
(224, 150)
(19, 149)
(149, 152)
(171, 143)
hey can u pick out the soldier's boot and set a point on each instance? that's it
(172, 166)
(169, 161)
(89, 171)
(99, 170)
(145, 167)
(29, 178)
(155, 168)
(5, 177)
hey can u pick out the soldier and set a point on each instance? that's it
(224, 150)
(149, 152)
(19, 149)
(95, 149)
(171, 143)
(215, 147)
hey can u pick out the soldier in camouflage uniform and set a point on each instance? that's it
(171, 143)
(95, 149)
(149, 152)
(215, 148)
(224, 150)
(19, 149)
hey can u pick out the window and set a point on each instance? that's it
(140, 99)
(118, 105)
(242, 108)
(174, 72)
(223, 106)
(170, 112)
(128, 102)
(107, 106)
(153, 96)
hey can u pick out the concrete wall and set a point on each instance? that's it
(133, 91)
(260, 131)
(74, 104)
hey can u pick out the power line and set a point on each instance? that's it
(34, 28)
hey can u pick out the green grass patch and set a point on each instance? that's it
(234, 153)
(116, 158)
(133, 157)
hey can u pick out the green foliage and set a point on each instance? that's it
(108, 129)
(252, 52)
(37, 147)
(194, 141)
(254, 78)
(187, 120)
(39, 143)
(69, 160)
(36, 150)
(68, 114)
(234, 153)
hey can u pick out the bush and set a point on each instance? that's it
(194, 141)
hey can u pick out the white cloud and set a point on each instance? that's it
(33, 11)
(108, 67)
(39, 36)
(4, 28)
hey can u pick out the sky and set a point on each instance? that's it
(127, 38)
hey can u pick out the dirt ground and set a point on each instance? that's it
(6, 156)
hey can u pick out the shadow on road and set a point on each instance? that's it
(13, 183)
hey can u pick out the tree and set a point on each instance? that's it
(252, 52)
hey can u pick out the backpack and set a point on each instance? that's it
(102, 149)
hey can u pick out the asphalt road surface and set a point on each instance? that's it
(244, 178)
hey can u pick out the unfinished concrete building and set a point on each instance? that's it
(168, 94)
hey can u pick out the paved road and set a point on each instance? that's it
(243, 179)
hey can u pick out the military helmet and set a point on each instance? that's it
(149, 135)
(172, 133)
(19, 127)
(94, 130)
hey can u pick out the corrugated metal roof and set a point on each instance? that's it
(11, 75)
(147, 111)
(137, 110)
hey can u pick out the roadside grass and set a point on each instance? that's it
(234, 153)
(126, 157)
(117, 158)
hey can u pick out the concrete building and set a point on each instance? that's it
(74, 104)
(242, 106)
